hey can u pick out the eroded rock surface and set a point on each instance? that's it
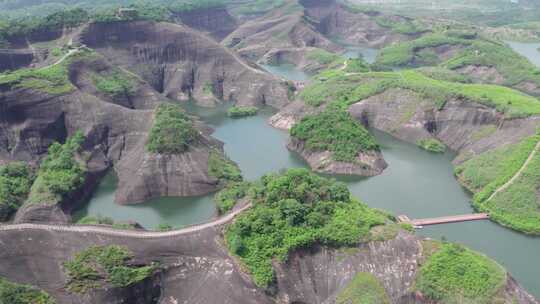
(366, 163)
(183, 64)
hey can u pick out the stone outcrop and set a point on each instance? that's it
(15, 59)
(284, 28)
(216, 21)
(366, 163)
(461, 125)
(116, 132)
(196, 268)
(333, 19)
(184, 64)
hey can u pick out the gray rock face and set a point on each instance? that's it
(144, 175)
(279, 29)
(183, 64)
(334, 20)
(116, 133)
(367, 163)
(217, 22)
(465, 127)
(14, 59)
(196, 268)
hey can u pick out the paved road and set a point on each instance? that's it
(125, 233)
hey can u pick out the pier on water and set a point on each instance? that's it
(444, 219)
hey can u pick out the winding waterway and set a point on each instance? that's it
(417, 183)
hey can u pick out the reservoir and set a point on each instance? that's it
(417, 183)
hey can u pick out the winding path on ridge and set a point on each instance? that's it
(517, 175)
(140, 234)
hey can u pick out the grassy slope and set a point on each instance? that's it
(476, 51)
(517, 206)
(345, 89)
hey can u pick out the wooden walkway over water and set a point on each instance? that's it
(444, 219)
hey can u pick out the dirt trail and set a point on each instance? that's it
(516, 176)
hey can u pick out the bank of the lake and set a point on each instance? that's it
(529, 50)
(416, 183)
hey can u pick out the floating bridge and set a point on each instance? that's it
(444, 219)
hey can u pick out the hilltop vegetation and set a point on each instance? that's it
(470, 50)
(345, 89)
(172, 132)
(455, 274)
(293, 210)
(12, 293)
(336, 131)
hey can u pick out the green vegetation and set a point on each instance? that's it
(223, 168)
(455, 274)
(164, 227)
(103, 220)
(90, 267)
(115, 84)
(12, 293)
(336, 131)
(440, 73)
(407, 53)
(172, 132)
(363, 289)
(15, 182)
(340, 88)
(34, 25)
(60, 172)
(517, 205)
(356, 65)
(400, 25)
(229, 196)
(514, 67)
(325, 58)
(52, 79)
(473, 50)
(293, 210)
(432, 145)
(239, 111)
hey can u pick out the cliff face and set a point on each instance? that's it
(196, 268)
(183, 64)
(335, 20)
(217, 21)
(463, 126)
(15, 59)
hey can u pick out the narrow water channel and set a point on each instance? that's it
(417, 183)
